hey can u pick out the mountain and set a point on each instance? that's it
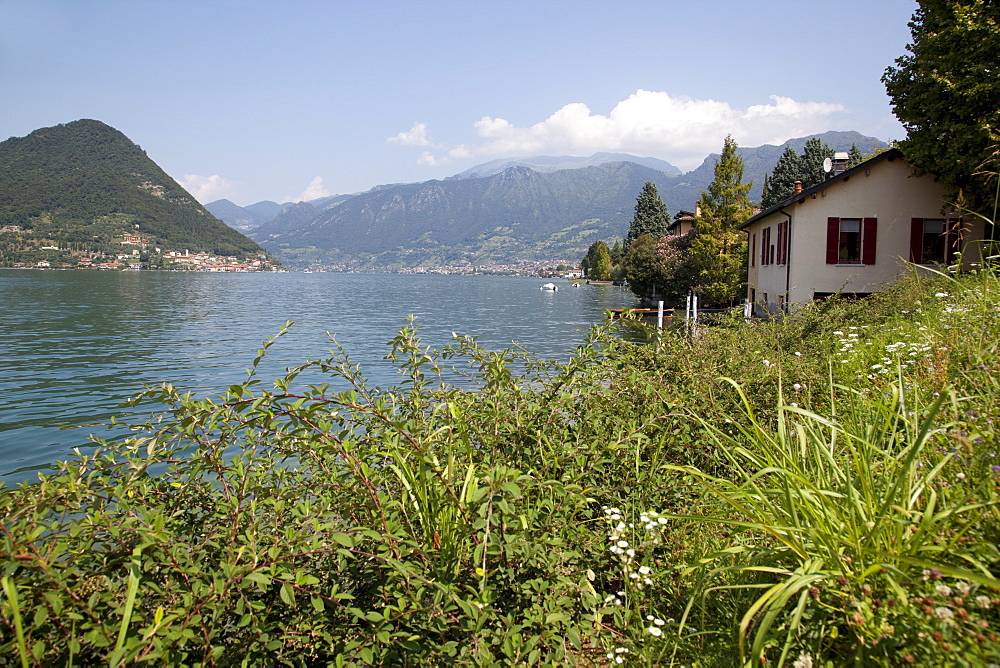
(546, 164)
(237, 217)
(484, 216)
(84, 184)
(518, 214)
(246, 218)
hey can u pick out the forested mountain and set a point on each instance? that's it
(520, 213)
(82, 185)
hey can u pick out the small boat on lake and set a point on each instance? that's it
(550, 286)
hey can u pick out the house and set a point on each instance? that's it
(853, 234)
(683, 221)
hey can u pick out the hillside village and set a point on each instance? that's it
(138, 254)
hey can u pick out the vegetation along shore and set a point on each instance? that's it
(821, 488)
(817, 488)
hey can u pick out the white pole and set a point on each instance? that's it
(659, 315)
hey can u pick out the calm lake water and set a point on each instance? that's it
(75, 344)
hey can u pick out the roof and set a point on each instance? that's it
(890, 155)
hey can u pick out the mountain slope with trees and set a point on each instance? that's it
(519, 213)
(84, 184)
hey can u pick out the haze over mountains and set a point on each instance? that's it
(542, 209)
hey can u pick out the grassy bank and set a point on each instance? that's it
(820, 489)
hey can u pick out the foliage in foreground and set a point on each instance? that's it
(834, 502)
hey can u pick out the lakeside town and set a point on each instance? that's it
(138, 254)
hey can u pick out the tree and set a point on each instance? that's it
(946, 93)
(718, 251)
(781, 183)
(854, 157)
(660, 268)
(600, 270)
(651, 215)
(811, 162)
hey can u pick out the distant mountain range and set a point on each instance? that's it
(82, 186)
(542, 209)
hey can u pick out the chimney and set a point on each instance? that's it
(840, 160)
(798, 188)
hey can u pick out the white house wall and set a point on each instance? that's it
(889, 193)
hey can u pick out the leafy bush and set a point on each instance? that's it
(818, 489)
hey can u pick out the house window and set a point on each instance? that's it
(851, 240)
(753, 249)
(849, 244)
(932, 241)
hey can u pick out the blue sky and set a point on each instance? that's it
(298, 99)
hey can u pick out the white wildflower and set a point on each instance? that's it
(944, 614)
(804, 661)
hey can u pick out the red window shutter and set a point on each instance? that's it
(868, 240)
(832, 240)
(753, 248)
(916, 240)
(781, 234)
(765, 233)
(782, 242)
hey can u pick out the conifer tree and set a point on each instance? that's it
(651, 215)
(854, 157)
(786, 172)
(813, 155)
(718, 251)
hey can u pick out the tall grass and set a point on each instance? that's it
(820, 489)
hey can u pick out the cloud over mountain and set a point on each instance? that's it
(646, 123)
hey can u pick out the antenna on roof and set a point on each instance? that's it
(827, 165)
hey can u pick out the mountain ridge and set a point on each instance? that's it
(513, 215)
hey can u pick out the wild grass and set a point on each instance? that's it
(817, 490)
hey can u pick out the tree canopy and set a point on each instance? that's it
(651, 215)
(946, 93)
(718, 251)
(660, 268)
(811, 162)
(781, 183)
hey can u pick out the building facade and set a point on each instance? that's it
(853, 234)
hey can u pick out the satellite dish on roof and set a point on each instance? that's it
(827, 165)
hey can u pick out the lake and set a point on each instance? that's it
(75, 344)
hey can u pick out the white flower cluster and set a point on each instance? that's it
(848, 343)
(617, 654)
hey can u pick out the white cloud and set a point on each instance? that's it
(314, 190)
(206, 188)
(679, 129)
(416, 136)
